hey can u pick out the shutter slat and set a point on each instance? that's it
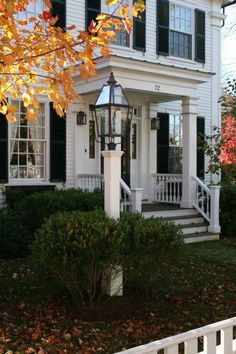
(200, 36)
(57, 146)
(3, 149)
(139, 32)
(163, 143)
(93, 8)
(200, 151)
(163, 27)
(59, 8)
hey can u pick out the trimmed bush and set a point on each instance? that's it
(19, 222)
(76, 248)
(13, 238)
(37, 207)
(228, 210)
(147, 243)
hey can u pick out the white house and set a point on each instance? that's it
(169, 67)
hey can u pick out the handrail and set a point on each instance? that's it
(202, 185)
(190, 340)
(125, 187)
(203, 199)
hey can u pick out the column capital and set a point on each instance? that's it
(189, 105)
(112, 153)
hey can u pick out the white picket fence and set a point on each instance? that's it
(216, 338)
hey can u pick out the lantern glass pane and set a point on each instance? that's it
(104, 96)
(118, 120)
(118, 96)
(102, 115)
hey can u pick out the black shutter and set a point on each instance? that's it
(139, 32)
(163, 143)
(59, 8)
(93, 8)
(199, 36)
(200, 151)
(57, 146)
(163, 27)
(3, 149)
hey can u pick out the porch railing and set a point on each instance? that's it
(203, 196)
(207, 203)
(167, 188)
(216, 338)
(126, 197)
(130, 198)
(90, 182)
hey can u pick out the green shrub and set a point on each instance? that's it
(228, 210)
(147, 243)
(75, 248)
(13, 238)
(28, 212)
(35, 208)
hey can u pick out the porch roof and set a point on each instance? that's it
(139, 75)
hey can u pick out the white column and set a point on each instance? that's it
(189, 113)
(112, 175)
(112, 283)
(215, 209)
(153, 109)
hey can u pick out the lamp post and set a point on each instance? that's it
(112, 115)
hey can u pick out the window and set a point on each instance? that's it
(180, 31)
(33, 10)
(27, 145)
(175, 130)
(91, 139)
(178, 28)
(122, 37)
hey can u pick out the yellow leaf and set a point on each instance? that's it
(111, 2)
(101, 17)
(47, 3)
(128, 24)
(22, 22)
(105, 52)
(30, 114)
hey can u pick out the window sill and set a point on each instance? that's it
(185, 61)
(34, 182)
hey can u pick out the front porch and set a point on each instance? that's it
(198, 223)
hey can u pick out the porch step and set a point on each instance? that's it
(201, 237)
(193, 225)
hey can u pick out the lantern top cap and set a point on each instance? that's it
(111, 79)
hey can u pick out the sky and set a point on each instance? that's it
(229, 44)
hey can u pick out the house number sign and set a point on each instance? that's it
(157, 87)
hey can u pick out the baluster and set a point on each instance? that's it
(173, 349)
(227, 340)
(171, 190)
(190, 346)
(210, 343)
(208, 206)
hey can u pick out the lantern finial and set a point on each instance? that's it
(111, 79)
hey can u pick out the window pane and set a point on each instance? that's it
(27, 145)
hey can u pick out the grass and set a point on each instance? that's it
(37, 314)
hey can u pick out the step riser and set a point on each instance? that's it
(192, 230)
(194, 221)
(169, 213)
(204, 238)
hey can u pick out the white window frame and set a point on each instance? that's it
(106, 9)
(192, 33)
(46, 141)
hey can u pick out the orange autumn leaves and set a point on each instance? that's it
(39, 58)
